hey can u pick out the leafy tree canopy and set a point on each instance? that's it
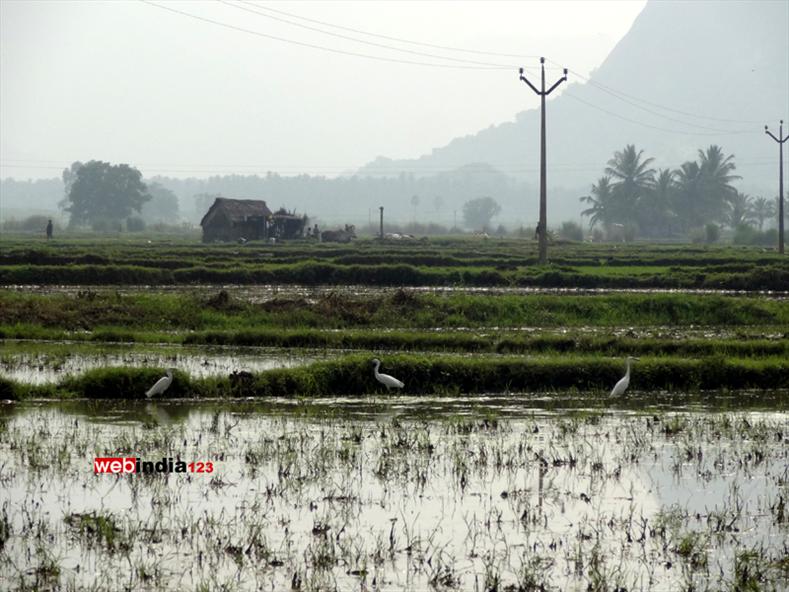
(477, 213)
(661, 203)
(162, 207)
(101, 191)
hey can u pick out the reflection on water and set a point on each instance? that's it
(389, 493)
(38, 365)
(263, 293)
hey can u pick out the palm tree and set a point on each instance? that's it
(687, 200)
(716, 175)
(629, 171)
(739, 210)
(632, 181)
(601, 201)
(656, 208)
(762, 209)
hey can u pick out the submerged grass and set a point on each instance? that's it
(323, 497)
(493, 342)
(352, 375)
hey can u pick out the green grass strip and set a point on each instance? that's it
(353, 375)
(150, 311)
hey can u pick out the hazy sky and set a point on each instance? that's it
(172, 94)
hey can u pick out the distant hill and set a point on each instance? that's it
(679, 61)
(695, 73)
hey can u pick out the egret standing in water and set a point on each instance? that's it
(389, 382)
(624, 382)
(161, 385)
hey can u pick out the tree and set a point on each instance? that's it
(438, 203)
(70, 175)
(602, 210)
(739, 210)
(762, 209)
(415, 204)
(716, 177)
(705, 188)
(477, 213)
(659, 208)
(629, 172)
(687, 202)
(632, 181)
(101, 191)
(203, 202)
(162, 207)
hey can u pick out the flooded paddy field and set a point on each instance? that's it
(264, 293)
(32, 362)
(498, 492)
(504, 466)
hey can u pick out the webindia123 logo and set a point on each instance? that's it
(132, 464)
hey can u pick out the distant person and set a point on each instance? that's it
(49, 230)
(316, 233)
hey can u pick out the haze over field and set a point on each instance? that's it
(190, 92)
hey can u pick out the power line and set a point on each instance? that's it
(372, 43)
(668, 117)
(466, 64)
(315, 171)
(390, 38)
(655, 127)
(313, 46)
(653, 104)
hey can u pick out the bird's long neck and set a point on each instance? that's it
(628, 369)
(375, 369)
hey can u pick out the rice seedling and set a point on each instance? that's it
(523, 498)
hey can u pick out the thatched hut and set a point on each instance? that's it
(287, 225)
(234, 219)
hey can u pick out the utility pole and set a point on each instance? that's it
(780, 141)
(542, 226)
(382, 222)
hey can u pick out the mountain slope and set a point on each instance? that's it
(723, 61)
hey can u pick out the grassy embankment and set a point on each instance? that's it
(401, 319)
(573, 335)
(352, 375)
(559, 360)
(447, 262)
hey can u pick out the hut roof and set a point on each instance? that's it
(238, 210)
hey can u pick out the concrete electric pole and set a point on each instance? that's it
(542, 227)
(780, 139)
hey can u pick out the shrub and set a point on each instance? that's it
(135, 224)
(571, 231)
(106, 225)
(748, 235)
(697, 236)
(35, 223)
(712, 233)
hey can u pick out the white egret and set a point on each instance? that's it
(624, 382)
(161, 385)
(389, 382)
